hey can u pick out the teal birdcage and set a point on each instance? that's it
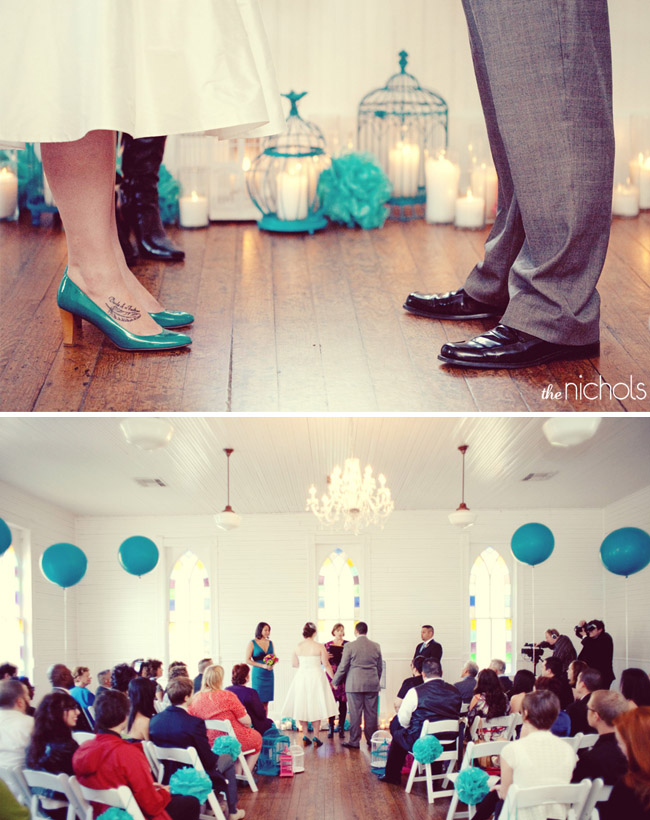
(283, 180)
(380, 744)
(273, 745)
(401, 124)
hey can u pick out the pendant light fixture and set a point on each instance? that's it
(227, 519)
(462, 517)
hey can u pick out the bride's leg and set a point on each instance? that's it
(81, 174)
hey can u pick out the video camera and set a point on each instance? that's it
(532, 652)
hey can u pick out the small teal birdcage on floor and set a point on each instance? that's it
(379, 745)
(283, 180)
(273, 745)
(401, 124)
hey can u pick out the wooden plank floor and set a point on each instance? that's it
(293, 323)
(337, 784)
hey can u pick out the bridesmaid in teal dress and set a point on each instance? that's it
(262, 676)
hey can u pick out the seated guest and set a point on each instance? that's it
(553, 669)
(52, 745)
(24, 679)
(121, 675)
(104, 681)
(467, 682)
(107, 761)
(428, 648)
(249, 698)
(489, 701)
(635, 686)
(10, 808)
(414, 679)
(588, 681)
(562, 724)
(432, 700)
(523, 683)
(203, 665)
(142, 693)
(175, 727)
(177, 669)
(500, 668)
(604, 759)
(61, 680)
(213, 702)
(154, 673)
(15, 725)
(574, 669)
(8, 670)
(80, 691)
(630, 797)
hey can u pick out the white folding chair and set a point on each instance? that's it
(159, 706)
(226, 727)
(119, 798)
(508, 723)
(573, 797)
(472, 751)
(598, 793)
(82, 737)
(588, 740)
(15, 780)
(187, 757)
(57, 783)
(449, 756)
(574, 742)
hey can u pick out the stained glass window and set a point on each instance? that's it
(339, 599)
(490, 610)
(189, 611)
(12, 642)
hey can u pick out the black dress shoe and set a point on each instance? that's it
(454, 305)
(505, 347)
(349, 746)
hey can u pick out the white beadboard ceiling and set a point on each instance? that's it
(83, 464)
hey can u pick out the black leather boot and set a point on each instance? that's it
(123, 229)
(141, 159)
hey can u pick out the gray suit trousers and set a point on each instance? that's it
(543, 69)
(362, 703)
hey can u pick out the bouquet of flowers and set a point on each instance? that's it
(270, 660)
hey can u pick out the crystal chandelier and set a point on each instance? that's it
(352, 498)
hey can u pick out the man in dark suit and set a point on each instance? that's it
(589, 680)
(61, 680)
(500, 668)
(175, 727)
(432, 700)
(467, 683)
(428, 649)
(361, 667)
(604, 759)
(203, 665)
(103, 681)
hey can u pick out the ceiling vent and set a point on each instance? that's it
(539, 476)
(150, 482)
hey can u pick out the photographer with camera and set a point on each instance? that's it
(562, 646)
(597, 649)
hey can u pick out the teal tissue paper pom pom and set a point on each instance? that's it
(472, 785)
(354, 191)
(227, 745)
(115, 814)
(168, 190)
(190, 782)
(427, 749)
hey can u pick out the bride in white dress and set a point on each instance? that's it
(310, 699)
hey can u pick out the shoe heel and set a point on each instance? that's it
(71, 328)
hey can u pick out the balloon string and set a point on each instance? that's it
(65, 624)
(533, 599)
(627, 660)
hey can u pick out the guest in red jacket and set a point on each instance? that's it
(107, 761)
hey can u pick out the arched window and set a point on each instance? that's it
(12, 645)
(189, 611)
(490, 610)
(339, 599)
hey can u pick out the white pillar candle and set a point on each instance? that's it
(442, 189)
(47, 192)
(293, 185)
(193, 211)
(635, 165)
(404, 169)
(491, 194)
(8, 193)
(625, 201)
(644, 184)
(470, 211)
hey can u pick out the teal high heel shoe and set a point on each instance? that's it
(172, 318)
(75, 306)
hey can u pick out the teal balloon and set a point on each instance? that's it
(5, 536)
(532, 543)
(626, 551)
(138, 555)
(64, 564)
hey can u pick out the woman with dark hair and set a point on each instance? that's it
(630, 797)
(52, 745)
(121, 675)
(562, 725)
(553, 669)
(310, 699)
(523, 683)
(635, 686)
(249, 697)
(142, 693)
(489, 701)
(335, 653)
(258, 649)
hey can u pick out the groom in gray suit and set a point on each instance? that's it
(544, 75)
(361, 669)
